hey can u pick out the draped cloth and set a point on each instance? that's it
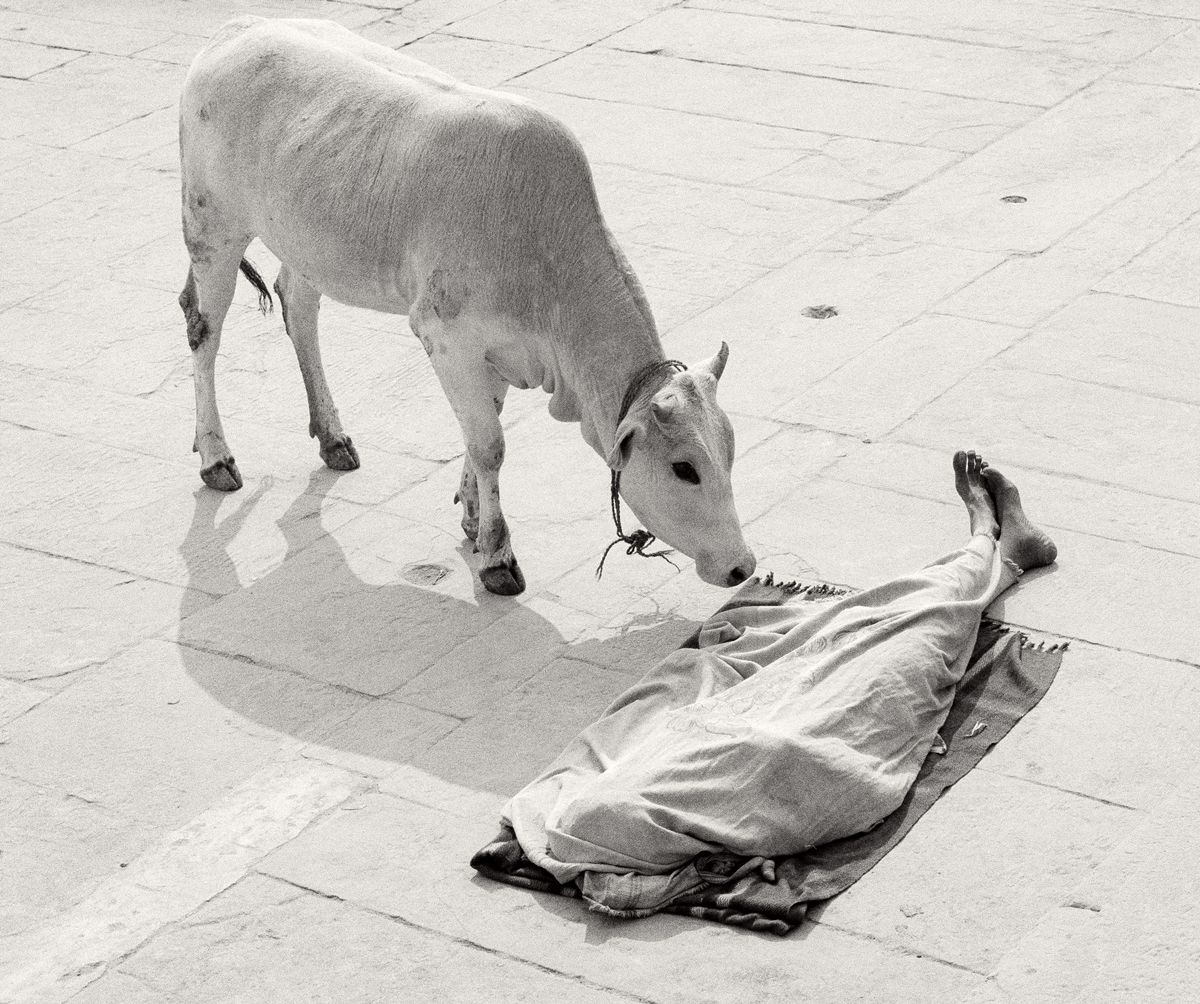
(792, 731)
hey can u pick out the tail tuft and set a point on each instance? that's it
(265, 303)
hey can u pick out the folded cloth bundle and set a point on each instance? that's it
(775, 757)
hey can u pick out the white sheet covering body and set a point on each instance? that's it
(789, 727)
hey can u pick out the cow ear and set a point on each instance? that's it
(627, 432)
(664, 407)
(715, 366)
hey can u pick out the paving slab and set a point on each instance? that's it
(134, 513)
(55, 849)
(663, 958)
(1068, 29)
(476, 61)
(781, 341)
(1091, 732)
(22, 60)
(265, 939)
(160, 732)
(188, 17)
(1165, 8)
(707, 277)
(1125, 932)
(840, 108)
(138, 138)
(506, 746)
(755, 227)
(381, 736)
(17, 698)
(73, 233)
(173, 877)
(50, 633)
(1172, 63)
(1095, 591)
(1024, 289)
(970, 907)
(899, 374)
(87, 95)
(1067, 164)
(1054, 500)
(35, 175)
(156, 426)
(906, 61)
(1118, 341)
(395, 595)
(729, 151)
(1050, 422)
(71, 33)
(1162, 271)
(845, 168)
(555, 24)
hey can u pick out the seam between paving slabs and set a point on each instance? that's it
(1050, 525)
(562, 55)
(893, 947)
(466, 942)
(1072, 378)
(104, 966)
(826, 76)
(1055, 787)
(947, 38)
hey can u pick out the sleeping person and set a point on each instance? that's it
(792, 726)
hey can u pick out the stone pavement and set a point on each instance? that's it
(248, 743)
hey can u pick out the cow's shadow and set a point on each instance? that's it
(401, 617)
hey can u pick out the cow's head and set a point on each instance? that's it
(674, 449)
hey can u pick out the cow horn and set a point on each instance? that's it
(716, 365)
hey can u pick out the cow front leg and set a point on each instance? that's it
(468, 484)
(468, 495)
(301, 302)
(500, 572)
(475, 393)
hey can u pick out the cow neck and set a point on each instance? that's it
(648, 377)
(611, 393)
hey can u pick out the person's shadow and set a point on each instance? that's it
(312, 618)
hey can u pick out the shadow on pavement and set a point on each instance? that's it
(317, 624)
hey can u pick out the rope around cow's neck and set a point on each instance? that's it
(639, 540)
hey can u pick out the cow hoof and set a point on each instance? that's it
(223, 476)
(503, 580)
(340, 455)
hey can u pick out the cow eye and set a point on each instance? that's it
(686, 472)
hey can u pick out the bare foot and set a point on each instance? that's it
(1020, 541)
(968, 481)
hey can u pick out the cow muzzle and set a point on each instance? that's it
(723, 572)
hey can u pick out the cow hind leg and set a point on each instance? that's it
(205, 301)
(301, 302)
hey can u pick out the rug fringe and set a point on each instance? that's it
(797, 588)
(1029, 643)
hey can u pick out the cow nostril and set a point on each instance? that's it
(737, 577)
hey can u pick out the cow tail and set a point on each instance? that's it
(265, 303)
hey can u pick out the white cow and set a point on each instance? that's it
(383, 183)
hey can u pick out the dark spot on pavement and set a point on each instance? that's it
(1013, 198)
(425, 575)
(820, 312)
